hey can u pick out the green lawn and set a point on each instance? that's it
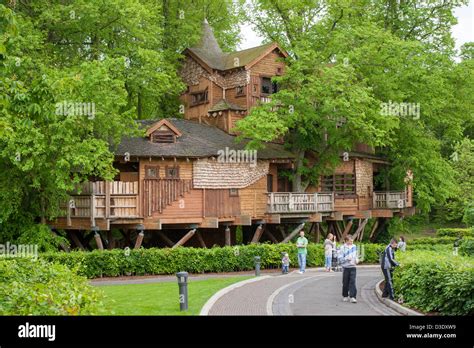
(161, 298)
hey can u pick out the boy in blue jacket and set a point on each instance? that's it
(387, 262)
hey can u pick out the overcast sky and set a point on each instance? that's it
(462, 32)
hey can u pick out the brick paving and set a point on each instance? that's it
(313, 293)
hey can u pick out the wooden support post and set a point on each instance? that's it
(348, 228)
(360, 228)
(324, 233)
(61, 244)
(374, 227)
(75, 239)
(107, 199)
(200, 239)
(68, 217)
(227, 235)
(139, 241)
(282, 231)
(258, 233)
(185, 238)
(318, 233)
(168, 241)
(338, 229)
(92, 204)
(380, 227)
(270, 235)
(294, 233)
(98, 240)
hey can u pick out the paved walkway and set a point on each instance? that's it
(314, 293)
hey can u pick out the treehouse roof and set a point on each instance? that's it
(208, 51)
(195, 140)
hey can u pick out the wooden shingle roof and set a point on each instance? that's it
(196, 141)
(209, 52)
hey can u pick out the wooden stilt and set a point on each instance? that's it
(168, 241)
(374, 227)
(227, 236)
(98, 241)
(200, 239)
(270, 235)
(75, 239)
(293, 234)
(338, 229)
(61, 244)
(257, 235)
(348, 228)
(359, 228)
(318, 233)
(138, 242)
(282, 231)
(185, 238)
(324, 233)
(380, 227)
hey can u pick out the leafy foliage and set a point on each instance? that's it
(112, 263)
(436, 281)
(455, 232)
(29, 287)
(466, 247)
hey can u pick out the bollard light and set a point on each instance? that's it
(257, 266)
(183, 290)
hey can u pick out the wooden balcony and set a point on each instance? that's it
(390, 200)
(104, 199)
(289, 202)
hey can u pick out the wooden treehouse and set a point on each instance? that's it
(188, 181)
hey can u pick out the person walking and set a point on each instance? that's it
(387, 263)
(301, 244)
(329, 246)
(402, 245)
(348, 259)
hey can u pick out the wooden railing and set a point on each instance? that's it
(104, 199)
(289, 202)
(390, 200)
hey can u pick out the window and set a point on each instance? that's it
(268, 87)
(152, 172)
(163, 136)
(279, 71)
(269, 183)
(233, 192)
(239, 91)
(343, 185)
(172, 172)
(199, 98)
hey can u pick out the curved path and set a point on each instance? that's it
(314, 293)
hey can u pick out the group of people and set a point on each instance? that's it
(347, 256)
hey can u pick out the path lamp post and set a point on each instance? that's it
(455, 247)
(257, 266)
(126, 252)
(183, 290)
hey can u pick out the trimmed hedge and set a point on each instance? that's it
(432, 241)
(436, 282)
(29, 287)
(455, 232)
(152, 261)
(466, 247)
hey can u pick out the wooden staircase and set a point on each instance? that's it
(160, 193)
